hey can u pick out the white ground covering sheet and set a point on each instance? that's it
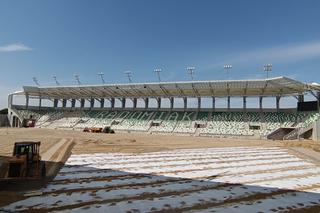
(199, 180)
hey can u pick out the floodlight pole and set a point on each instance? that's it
(77, 77)
(35, 80)
(267, 68)
(190, 71)
(56, 81)
(128, 73)
(228, 67)
(101, 74)
(158, 71)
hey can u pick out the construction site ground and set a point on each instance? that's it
(137, 172)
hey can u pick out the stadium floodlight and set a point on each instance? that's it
(228, 67)
(55, 80)
(190, 71)
(77, 77)
(158, 71)
(128, 73)
(35, 80)
(267, 68)
(101, 74)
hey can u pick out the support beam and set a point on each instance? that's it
(10, 101)
(40, 102)
(146, 103)
(245, 103)
(112, 100)
(64, 103)
(301, 98)
(82, 103)
(73, 103)
(185, 103)
(55, 103)
(91, 102)
(228, 102)
(199, 102)
(278, 103)
(27, 101)
(102, 103)
(134, 100)
(260, 102)
(159, 102)
(171, 102)
(213, 103)
(123, 103)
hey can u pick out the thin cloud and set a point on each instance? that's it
(277, 54)
(16, 47)
(288, 53)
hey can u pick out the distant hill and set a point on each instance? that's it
(4, 111)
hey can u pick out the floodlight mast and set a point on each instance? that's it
(35, 80)
(77, 77)
(228, 67)
(190, 71)
(158, 71)
(267, 68)
(128, 73)
(55, 80)
(101, 74)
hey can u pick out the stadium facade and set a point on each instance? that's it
(277, 123)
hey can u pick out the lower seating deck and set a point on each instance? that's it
(203, 123)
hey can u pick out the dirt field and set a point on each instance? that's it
(160, 173)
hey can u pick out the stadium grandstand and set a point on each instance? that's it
(80, 106)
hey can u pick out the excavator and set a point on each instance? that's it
(25, 162)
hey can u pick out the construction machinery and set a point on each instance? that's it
(25, 162)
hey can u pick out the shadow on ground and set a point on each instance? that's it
(82, 189)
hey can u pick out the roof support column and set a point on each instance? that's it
(82, 102)
(171, 102)
(91, 102)
(55, 103)
(27, 101)
(301, 98)
(134, 100)
(244, 103)
(260, 102)
(199, 103)
(278, 103)
(10, 101)
(102, 103)
(146, 103)
(228, 102)
(123, 103)
(213, 103)
(159, 102)
(40, 102)
(185, 103)
(73, 103)
(112, 101)
(64, 103)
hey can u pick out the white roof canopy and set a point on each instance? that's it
(219, 88)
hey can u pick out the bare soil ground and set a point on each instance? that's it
(130, 142)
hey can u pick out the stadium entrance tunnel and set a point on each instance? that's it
(280, 133)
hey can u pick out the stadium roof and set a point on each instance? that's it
(220, 88)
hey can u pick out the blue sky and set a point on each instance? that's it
(62, 38)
